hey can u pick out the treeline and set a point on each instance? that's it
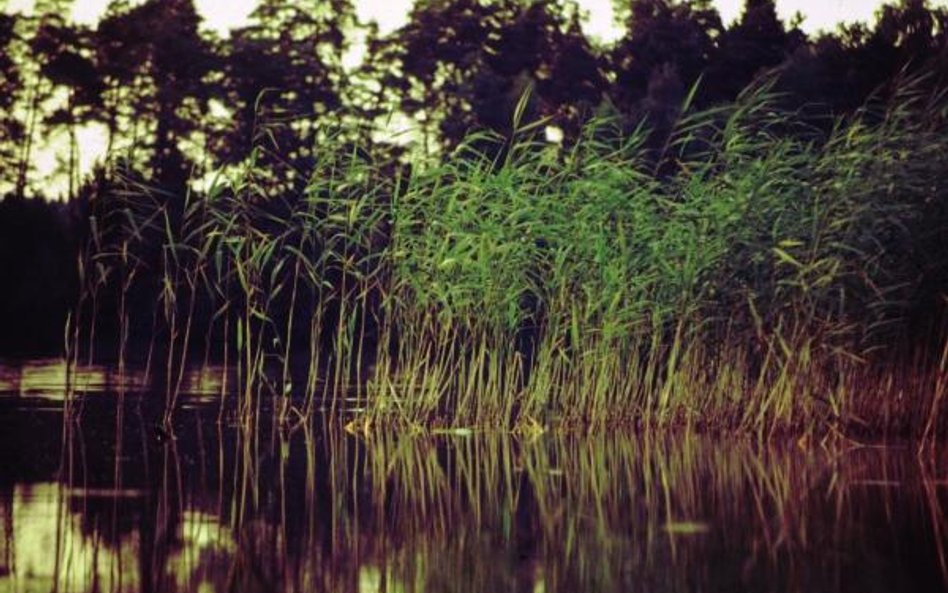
(174, 102)
(172, 99)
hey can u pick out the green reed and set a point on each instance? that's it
(750, 273)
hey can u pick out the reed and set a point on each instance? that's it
(292, 508)
(754, 272)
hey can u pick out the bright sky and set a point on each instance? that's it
(390, 14)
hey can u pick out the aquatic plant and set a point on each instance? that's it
(752, 272)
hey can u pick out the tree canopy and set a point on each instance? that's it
(176, 101)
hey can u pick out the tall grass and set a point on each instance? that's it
(753, 272)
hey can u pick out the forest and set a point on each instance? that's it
(514, 223)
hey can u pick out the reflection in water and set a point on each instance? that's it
(103, 505)
(58, 551)
(6, 534)
(46, 379)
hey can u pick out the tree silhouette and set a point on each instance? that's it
(63, 51)
(282, 79)
(667, 47)
(464, 65)
(661, 34)
(36, 88)
(841, 71)
(11, 129)
(758, 42)
(548, 48)
(154, 62)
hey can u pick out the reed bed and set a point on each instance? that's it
(751, 272)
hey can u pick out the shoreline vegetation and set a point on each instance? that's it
(752, 273)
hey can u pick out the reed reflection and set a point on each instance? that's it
(310, 507)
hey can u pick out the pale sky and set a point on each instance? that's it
(222, 15)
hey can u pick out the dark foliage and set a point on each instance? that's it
(38, 260)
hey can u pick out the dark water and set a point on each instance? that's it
(106, 502)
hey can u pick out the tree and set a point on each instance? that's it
(283, 78)
(63, 51)
(11, 128)
(557, 58)
(841, 71)
(154, 63)
(464, 65)
(36, 88)
(667, 44)
(756, 43)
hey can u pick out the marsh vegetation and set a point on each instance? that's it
(693, 225)
(754, 273)
(481, 303)
(107, 505)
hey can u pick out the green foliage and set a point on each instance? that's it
(741, 278)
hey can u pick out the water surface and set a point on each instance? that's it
(107, 501)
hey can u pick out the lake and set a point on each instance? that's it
(96, 496)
